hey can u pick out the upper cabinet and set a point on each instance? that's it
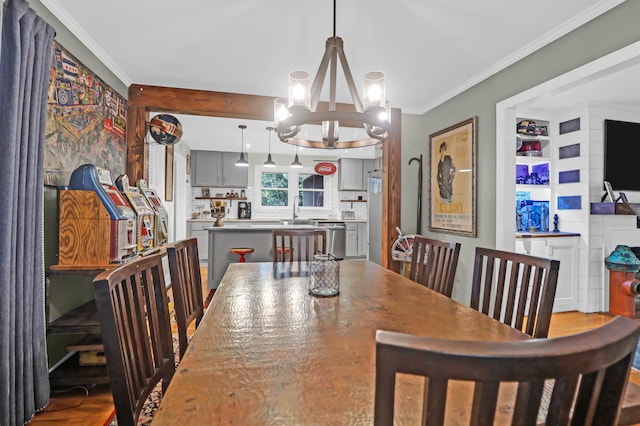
(354, 173)
(217, 169)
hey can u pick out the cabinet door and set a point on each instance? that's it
(232, 175)
(363, 241)
(350, 175)
(566, 250)
(196, 231)
(206, 168)
(351, 240)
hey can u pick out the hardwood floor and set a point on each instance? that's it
(95, 407)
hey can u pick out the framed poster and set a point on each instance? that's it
(452, 180)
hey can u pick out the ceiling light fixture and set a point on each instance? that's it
(301, 107)
(242, 162)
(296, 164)
(269, 162)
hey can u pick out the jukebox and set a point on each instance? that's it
(161, 216)
(97, 225)
(145, 214)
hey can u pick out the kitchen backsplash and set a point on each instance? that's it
(360, 209)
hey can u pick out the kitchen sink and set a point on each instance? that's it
(297, 222)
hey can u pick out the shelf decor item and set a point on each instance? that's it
(452, 180)
(205, 193)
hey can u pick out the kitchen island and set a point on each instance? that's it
(250, 235)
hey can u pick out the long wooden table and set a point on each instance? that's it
(267, 352)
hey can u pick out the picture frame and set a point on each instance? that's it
(206, 193)
(452, 180)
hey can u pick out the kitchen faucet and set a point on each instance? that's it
(295, 201)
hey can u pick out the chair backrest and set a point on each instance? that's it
(186, 285)
(297, 244)
(434, 263)
(581, 377)
(135, 325)
(516, 289)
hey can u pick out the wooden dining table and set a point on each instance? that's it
(269, 353)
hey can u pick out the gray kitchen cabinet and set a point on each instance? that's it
(233, 175)
(351, 240)
(196, 230)
(350, 174)
(363, 240)
(217, 169)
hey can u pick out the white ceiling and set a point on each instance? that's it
(430, 50)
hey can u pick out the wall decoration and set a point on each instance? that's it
(569, 151)
(571, 202)
(452, 181)
(569, 126)
(569, 176)
(85, 121)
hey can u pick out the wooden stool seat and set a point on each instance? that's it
(241, 251)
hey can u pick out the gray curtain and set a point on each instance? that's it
(25, 59)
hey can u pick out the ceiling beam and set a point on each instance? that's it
(144, 99)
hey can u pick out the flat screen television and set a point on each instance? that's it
(621, 142)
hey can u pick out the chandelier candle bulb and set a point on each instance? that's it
(374, 90)
(299, 89)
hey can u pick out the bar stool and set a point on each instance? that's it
(241, 251)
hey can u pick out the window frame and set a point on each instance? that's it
(293, 190)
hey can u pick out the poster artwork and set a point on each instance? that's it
(452, 187)
(86, 121)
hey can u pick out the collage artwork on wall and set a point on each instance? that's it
(86, 121)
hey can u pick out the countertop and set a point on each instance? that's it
(271, 220)
(545, 234)
(257, 227)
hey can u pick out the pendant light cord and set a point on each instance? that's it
(334, 18)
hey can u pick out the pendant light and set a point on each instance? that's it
(242, 162)
(296, 164)
(269, 162)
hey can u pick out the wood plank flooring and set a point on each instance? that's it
(76, 408)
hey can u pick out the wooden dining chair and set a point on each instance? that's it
(186, 285)
(297, 244)
(434, 263)
(136, 330)
(516, 289)
(577, 379)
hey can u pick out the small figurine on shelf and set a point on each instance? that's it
(555, 223)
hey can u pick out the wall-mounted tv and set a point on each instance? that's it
(621, 142)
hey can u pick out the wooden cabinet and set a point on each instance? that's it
(217, 169)
(196, 230)
(566, 250)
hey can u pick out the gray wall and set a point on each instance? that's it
(603, 35)
(79, 50)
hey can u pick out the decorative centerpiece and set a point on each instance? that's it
(325, 276)
(218, 211)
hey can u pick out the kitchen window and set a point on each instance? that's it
(278, 187)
